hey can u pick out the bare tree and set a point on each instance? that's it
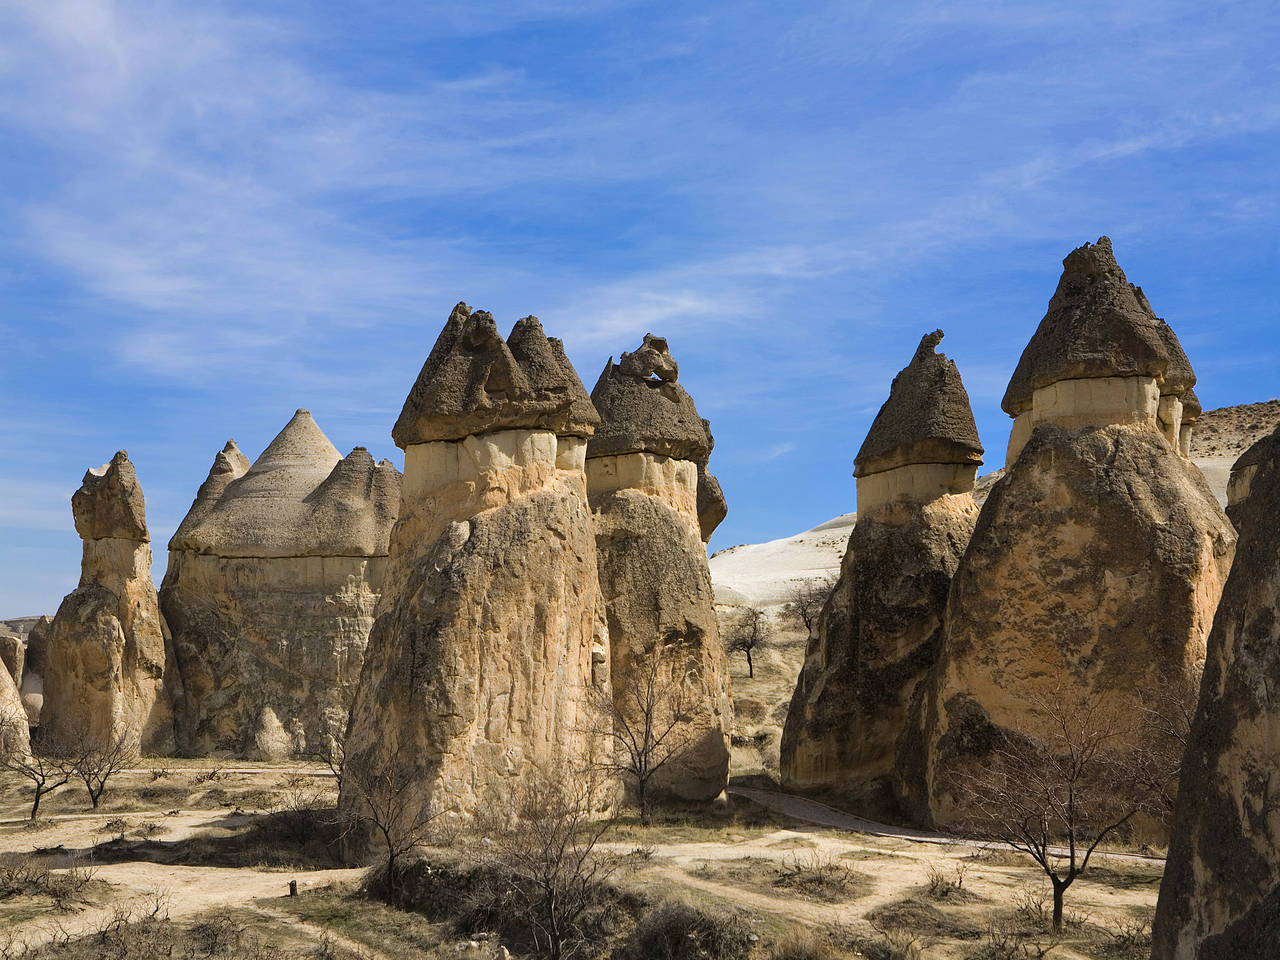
(99, 759)
(544, 842)
(748, 633)
(389, 805)
(1163, 741)
(1055, 798)
(806, 598)
(49, 767)
(647, 717)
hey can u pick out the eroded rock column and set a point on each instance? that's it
(853, 728)
(104, 664)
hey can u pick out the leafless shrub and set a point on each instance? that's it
(1007, 940)
(209, 776)
(806, 598)
(680, 931)
(100, 759)
(49, 766)
(946, 881)
(819, 877)
(161, 773)
(897, 942)
(748, 633)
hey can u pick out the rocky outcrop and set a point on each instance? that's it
(1220, 896)
(652, 512)
(13, 654)
(270, 593)
(104, 663)
(1098, 558)
(14, 731)
(853, 726)
(489, 640)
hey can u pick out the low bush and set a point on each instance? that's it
(678, 931)
(821, 878)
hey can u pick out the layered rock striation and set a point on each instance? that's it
(1220, 896)
(270, 592)
(654, 504)
(1099, 557)
(490, 644)
(852, 729)
(104, 660)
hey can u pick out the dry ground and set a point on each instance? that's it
(190, 845)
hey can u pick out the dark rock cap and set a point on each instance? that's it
(300, 498)
(109, 502)
(643, 410)
(473, 383)
(927, 418)
(1191, 408)
(712, 508)
(1097, 325)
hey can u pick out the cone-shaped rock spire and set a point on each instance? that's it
(927, 418)
(109, 502)
(644, 410)
(1097, 325)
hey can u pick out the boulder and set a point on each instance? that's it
(1220, 896)
(853, 728)
(1099, 557)
(653, 511)
(272, 582)
(489, 640)
(105, 660)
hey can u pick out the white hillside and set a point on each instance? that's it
(759, 574)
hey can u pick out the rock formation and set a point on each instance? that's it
(1099, 556)
(104, 663)
(653, 510)
(270, 593)
(13, 654)
(853, 726)
(489, 639)
(14, 732)
(1220, 897)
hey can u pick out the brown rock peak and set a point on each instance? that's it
(555, 388)
(109, 502)
(1097, 325)
(643, 409)
(927, 418)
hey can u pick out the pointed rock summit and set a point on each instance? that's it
(1099, 556)
(652, 501)
(272, 581)
(854, 725)
(490, 638)
(105, 662)
(1220, 896)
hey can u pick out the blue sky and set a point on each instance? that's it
(215, 213)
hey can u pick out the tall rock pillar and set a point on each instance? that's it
(487, 642)
(853, 727)
(654, 504)
(104, 665)
(1220, 896)
(1098, 559)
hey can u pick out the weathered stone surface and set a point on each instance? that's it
(654, 504)
(472, 383)
(105, 660)
(1096, 565)
(270, 593)
(12, 656)
(14, 733)
(644, 410)
(38, 644)
(1220, 897)
(927, 418)
(1097, 325)
(853, 727)
(490, 635)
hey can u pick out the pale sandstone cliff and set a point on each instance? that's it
(105, 659)
(1220, 897)
(1099, 556)
(651, 507)
(852, 729)
(270, 593)
(489, 641)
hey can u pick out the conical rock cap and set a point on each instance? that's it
(1097, 325)
(927, 418)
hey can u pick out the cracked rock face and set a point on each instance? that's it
(1220, 896)
(852, 729)
(104, 660)
(490, 638)
(270, 593)
(654, 504)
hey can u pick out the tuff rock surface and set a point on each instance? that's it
(104, 661)
(1220, 897)
(1099, 557)
(853, 727)
(14, 731)
(652, 511)
(490, 639)
(270, 592)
